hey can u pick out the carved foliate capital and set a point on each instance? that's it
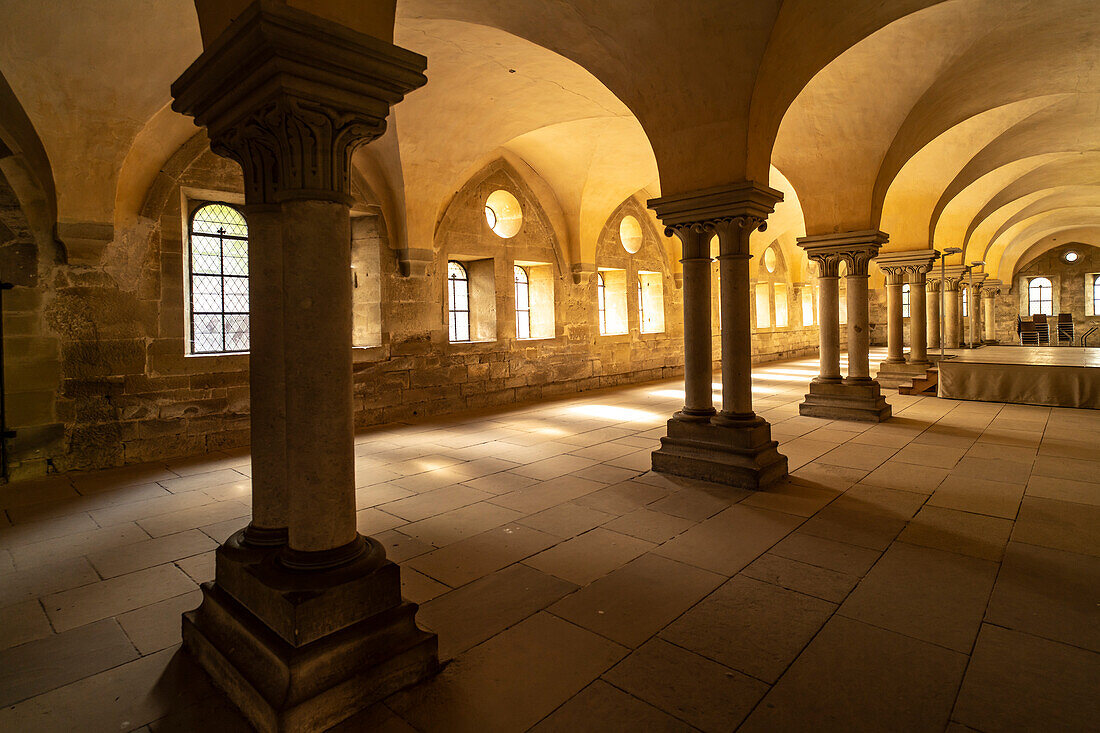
(934, 285)
(895, 275)
(734, 232)
(828, 263)
(290, 96)
(694, 239)
(294, 148)
(732, 212)
(855, 249)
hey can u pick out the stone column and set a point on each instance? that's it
(934, 314)
(828, 316)
(895, 324)
(918, 311)
(266, 380)
(951, 311)
(735, 310)
(989, 312)
(733, 447)
(976, 314)
(698, 339)
(859, 328)
(857, 397)
(304, 634)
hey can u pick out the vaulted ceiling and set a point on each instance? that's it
(968, 123)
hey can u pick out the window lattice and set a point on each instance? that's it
(458, 289)
(905, 300)
(1040, 297)
(601, 301)
(218, 280)
(523, 303)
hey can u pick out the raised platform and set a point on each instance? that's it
(1058, 376)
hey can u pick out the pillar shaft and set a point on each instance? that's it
(266, 385)
(895, 325)
(828, 319)
(733, 263)
(859, 368)
(698, 339)
(933, 303)
(989, 313)
(951, 315)
(318, 316)
(918, 331)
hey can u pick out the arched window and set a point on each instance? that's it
(601, 301)
(905, 300)
(965, 302)
(523, 303)
(218, 280)
(458, 289)
(1040, 297)
(641, 308)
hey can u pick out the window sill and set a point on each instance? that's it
(216, 354)
(536, 338)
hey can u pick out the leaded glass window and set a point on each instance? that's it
(905, 300)
(601, 301)
(1040, 297)
(523, 303)
(218, 280)
(458, 291)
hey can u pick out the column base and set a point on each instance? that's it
(731, 452)
(861, 401)
(302, 651)
(990, 342)
(895, 375)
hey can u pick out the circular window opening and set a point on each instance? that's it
(1070, 256)
(503, 214)
(769, 259)
(630, 234)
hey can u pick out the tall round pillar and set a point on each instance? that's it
(989, 313)
(266, 380)
(918, 331)
(736, 334)
(859, 368)
(828, 317)
(698, 340)
(895, 325)
(951, 314)
(933, 311)
(317, 312)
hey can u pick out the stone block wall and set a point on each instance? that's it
(99, 373)
(1068, 280)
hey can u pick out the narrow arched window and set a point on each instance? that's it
(1040, 297)
(1096, 294)
(523, 303)
(217, 304)
(905, 300)
(458, 291)
(965, 303)
(641, 308)
(601, 301)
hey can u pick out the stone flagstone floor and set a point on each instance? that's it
(940, 571)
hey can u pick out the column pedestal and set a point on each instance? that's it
(302, 651)
(304, 624)
(733, 447)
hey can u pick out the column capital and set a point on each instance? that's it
(290, 96)
(991, 287)
(895, 274)
(911, 264)
(855, 249)
(732, 212)
(933, 284)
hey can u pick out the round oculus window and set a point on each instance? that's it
(1070, 256)
(630, 234)
(503, 214)
(769, 259)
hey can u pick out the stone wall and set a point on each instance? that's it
(99, 373)
(1068, 281)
